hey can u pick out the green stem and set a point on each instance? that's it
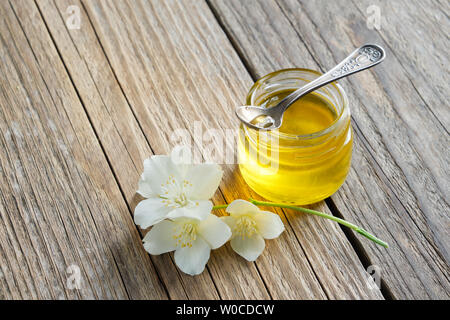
(316, 213)
(222, 206)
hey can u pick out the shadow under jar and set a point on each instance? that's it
(308, 158)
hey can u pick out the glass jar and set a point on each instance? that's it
(300, 169)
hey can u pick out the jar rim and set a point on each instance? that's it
(318, 134)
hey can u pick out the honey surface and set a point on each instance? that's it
(308, 115)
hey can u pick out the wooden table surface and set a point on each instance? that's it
(80, 109)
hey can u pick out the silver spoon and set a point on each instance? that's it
(263, 118)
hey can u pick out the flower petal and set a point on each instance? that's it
(192, 260)
(240, 207)
(160, 239)
(230, 221)
(199, 212)
(205, 179)
(149, 212)
(269, 224)
(249, 248)
(144, 188)
(214, 231)
(157, 170)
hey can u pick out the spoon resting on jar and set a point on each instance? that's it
(271, 118)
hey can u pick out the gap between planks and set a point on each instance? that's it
(343, 236)
(98, 139)
(107, 157)
(351, 237)
(115, 175)
(30, 48)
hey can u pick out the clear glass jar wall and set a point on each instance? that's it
(290, 165)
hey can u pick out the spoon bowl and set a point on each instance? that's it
(260, 117)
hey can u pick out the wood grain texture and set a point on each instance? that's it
(81, 109)
(59, 204)
(398, 185)
(97, 86)
(115, 125)
(175, 67)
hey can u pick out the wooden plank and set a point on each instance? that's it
(59, 202)
(175, 67)
(112, 119)
(396, 188)
(120, 134)
(421, 50)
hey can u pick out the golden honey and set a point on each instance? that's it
(309, 157)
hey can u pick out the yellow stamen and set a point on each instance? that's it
(245, 227)
(186, 236)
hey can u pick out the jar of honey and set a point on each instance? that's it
(308, 158)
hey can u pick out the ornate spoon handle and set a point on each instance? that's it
(362, 58)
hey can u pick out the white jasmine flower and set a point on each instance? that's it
(250, 226)
(175, 190)
(191, 239)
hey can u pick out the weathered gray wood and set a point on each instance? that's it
(137, 70)
(417, 33)
(97, 86)
(115, 125)
(398, 185)
(176, 66)
(59, 203)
